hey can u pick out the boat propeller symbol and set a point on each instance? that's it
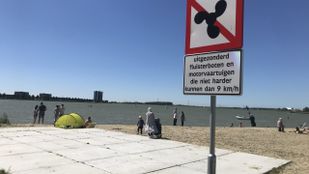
(212, 30)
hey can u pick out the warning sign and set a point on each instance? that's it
(214, 25)
(213, 73)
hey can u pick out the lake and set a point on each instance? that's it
(21, 111)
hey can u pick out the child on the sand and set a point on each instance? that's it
(140, 125)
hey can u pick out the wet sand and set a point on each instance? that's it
(260, 141)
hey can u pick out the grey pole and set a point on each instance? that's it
(212, 123)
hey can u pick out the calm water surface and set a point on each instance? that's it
(21, 111)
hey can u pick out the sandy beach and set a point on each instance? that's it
(260, 141)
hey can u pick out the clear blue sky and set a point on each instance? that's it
(133, 50)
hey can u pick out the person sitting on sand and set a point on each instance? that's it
(298, 131)
(280, 125)
(151, 127)
(301, 130)
(88, 123)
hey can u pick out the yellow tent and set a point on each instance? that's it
(79, 119)
(70, 121)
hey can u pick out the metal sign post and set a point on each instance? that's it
(212, 64)
(212, 124)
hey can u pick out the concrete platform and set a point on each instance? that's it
(96, 151)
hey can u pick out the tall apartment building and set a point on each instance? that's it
(98, 96)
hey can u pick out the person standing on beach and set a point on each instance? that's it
(62, 109)
(35, 113)
(182, 118)
(252, 120)
(151, 127)
(42, 109)
(175, 117)
(280, 125)
(140, 125)
(56, 113)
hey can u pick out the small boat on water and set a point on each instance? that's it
(242, 117)
(238, 117)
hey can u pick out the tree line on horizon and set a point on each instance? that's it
(37, 97)
(52, 98)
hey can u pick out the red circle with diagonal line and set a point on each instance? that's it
(234, 41)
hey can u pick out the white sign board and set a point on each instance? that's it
(217, 73)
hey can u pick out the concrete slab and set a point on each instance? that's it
(35, 138)
(19, 133)
(72, 135)
(129, 164)
(17, 149)
(68, 143)
(162, 144)
(52, 150)
(179, 170)
(76, 168)
(132, 148)
(88, 153)
(18, 163)
(133, 138)
(243, 163)
(6, 141)
(200, 166)
(101, 141)
(50, 146)
(176, 156)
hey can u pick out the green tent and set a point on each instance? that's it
(72, 120)
(79, 119)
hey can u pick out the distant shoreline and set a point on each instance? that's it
(163, 103)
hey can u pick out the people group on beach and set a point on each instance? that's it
(152, 124)
(175, 117)
(40, 111)
(58, 112)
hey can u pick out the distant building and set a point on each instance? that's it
(44, 96)
(21, 95)
(98, 96)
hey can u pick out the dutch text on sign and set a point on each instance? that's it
(213, 73)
